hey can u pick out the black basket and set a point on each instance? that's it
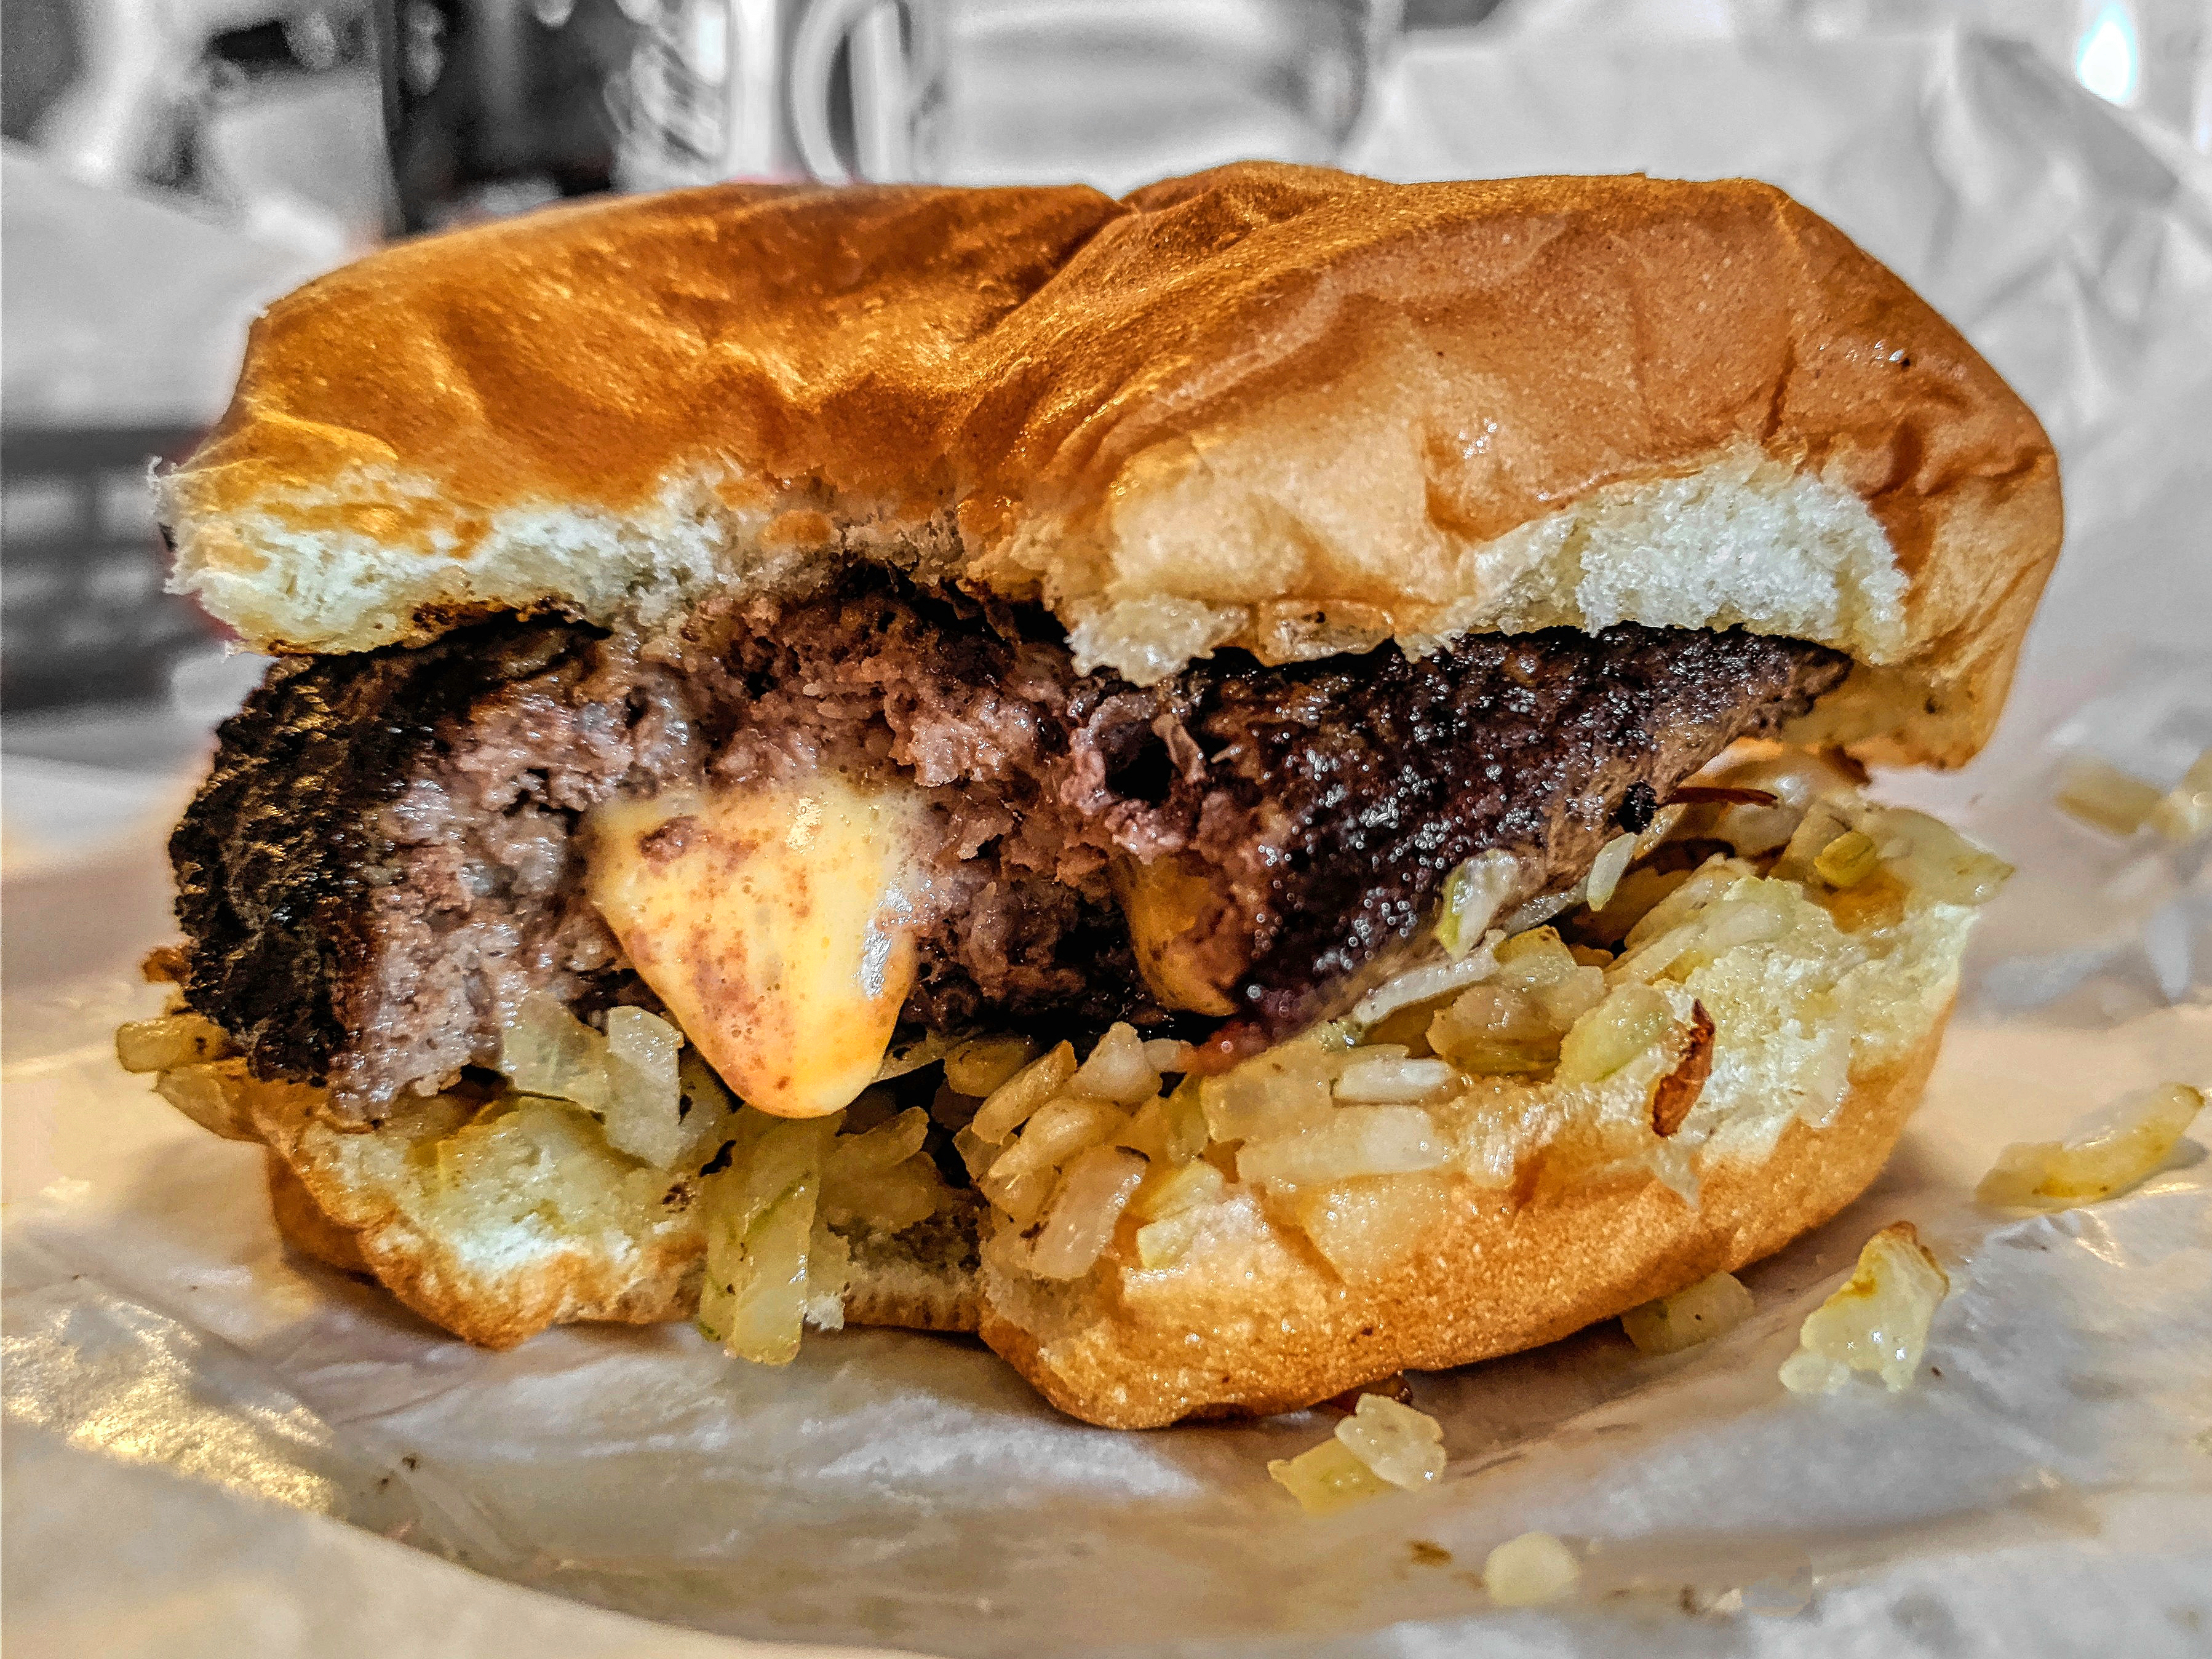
(82, 615)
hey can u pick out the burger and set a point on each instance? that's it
(1235, 790)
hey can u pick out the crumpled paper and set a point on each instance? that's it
(212, 1443)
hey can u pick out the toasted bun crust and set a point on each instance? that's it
(1497, 1273)
(305, 1226)
(1279, 408)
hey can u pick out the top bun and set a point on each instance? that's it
(1278, 408)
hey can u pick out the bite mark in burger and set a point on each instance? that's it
(822, 627)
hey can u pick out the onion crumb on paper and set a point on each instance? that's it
(2118, 1146)
(1712, 1307)
(1531, 1569)
(1383, 1444)
(1878, 1322)
(2096, 793)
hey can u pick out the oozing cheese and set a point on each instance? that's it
(776, 924)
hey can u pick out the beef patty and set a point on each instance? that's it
(383, 861)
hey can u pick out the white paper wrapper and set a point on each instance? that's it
(2047, 1487)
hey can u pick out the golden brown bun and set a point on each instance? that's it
(1279, 408)
(305, 1226)
(1497, 1274)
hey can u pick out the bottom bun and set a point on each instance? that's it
(305, 1224)
(1731, 1071)
(1259, 1325)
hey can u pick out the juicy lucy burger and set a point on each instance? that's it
(1236, 789)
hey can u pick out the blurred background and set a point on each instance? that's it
(169, 166)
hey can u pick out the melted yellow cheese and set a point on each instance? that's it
(774, 923)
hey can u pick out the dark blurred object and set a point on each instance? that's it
(500, 105)
(82, 615)
(44, 55)
(1446, 13)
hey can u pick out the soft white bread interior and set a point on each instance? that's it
(1277, 408)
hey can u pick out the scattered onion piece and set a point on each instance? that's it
(1327, 1479)
(1404, 1446)
(2120, 1145)
(1530, 1570)
(1712, 1307)
(1383, 1444)
(1878, 1322)
(2099, 794)
(1606, 873)
(1473, 896)
(171, 1040)
(2185, 812)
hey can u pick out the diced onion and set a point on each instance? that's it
(1494, 1030)
(1274, 1093)
(1170, 1129)
(1057, 1132)
(1116, 1069)
(1327, 1479)
(707, 1109)
(1569, 998)
(1169, 1192)
(880, 1177)
(1937, 859)
(888, 1144)
(981, 1064)
(171, 1040)
(2124, 1143)
(977, 1153)
(546, 1050)
(1404, 1446)
(1705, 887)
(2098, 794)
(1628, 1021)
(888, 1200)
(1606, 873)
(1353, 1140)
(1712, 1307)
(1426, 983)
(629, 1075)
(767, 1312)
(1092, 1194)
(1021, 1196)
(1710, 932)
(644, 1115)
(2185, 811)
(1011, 1104)
(760, 1220)
(1847, 860)
(1168, 1054)
(1162, 1242)
(1824, 820)
(1878, 1322)
(906, 1057)
(1472, 894)
(214, 1095)
(1388, 1080)
(1530, 1570)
